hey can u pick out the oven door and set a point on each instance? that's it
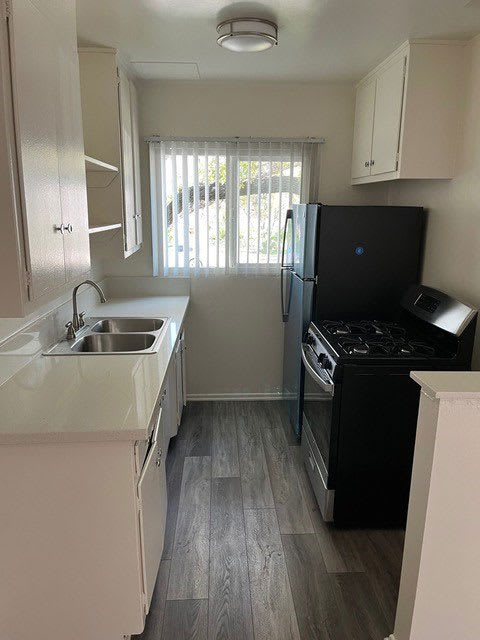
(317, 441)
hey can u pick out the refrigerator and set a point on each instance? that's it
(342, 263)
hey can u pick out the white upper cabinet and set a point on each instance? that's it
(126, 136)
(407, 114)
(388, 115)
(44, 189)
(110, 124)
(136, 164)
(71, 163)
(362, 141)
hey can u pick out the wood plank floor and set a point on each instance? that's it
(247, 555)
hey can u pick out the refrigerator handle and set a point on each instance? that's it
(282, 295)
(284, 267)
(289, 217)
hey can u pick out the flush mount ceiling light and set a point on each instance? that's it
(245, 35)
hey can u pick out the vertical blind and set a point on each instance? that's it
(219, 206)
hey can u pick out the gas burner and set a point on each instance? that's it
(403, 350)
(354, 346)
(422, 349)
(349, 328)
(360, 350)
(394, 330)
(337, 328)
(385, 345)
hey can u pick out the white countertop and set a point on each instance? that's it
(454, 385)
(94, 397)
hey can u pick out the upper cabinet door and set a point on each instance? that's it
(362, 137)
(73, 190)
(388, 117)
(35, 85)
(136, 164)
(127, 163)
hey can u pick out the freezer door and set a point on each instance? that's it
(300, 305)
(304, 239)
(367, 259)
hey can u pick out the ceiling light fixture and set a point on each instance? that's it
(245, 35)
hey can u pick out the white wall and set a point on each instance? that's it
(235, 333)
(452, 250)
(46, 304)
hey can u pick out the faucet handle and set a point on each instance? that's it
(71, 335)
(81, 321)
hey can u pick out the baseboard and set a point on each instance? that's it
(234, 396)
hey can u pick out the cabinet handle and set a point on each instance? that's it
(367, 164)
(63, 228)
(372, 162)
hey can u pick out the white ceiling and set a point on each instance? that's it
(318, 39)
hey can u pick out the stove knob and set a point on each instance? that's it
(322, 358)
(310, 339)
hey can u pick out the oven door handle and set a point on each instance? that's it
(325, 384)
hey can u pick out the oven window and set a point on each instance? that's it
(317, 409)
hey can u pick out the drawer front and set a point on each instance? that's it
(325, 497)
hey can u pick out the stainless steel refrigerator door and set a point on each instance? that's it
(296, 325)
(304, 239)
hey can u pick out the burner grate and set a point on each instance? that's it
(364, 328)
(386, 346)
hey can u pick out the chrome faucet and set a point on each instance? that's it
(77, 320)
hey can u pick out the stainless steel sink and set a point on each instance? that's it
(127, 325)
(113, 336)
(113, 342)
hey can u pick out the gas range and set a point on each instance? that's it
(360, 404)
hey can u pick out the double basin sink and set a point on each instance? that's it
(113, 335)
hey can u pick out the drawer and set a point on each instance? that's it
(325, 497)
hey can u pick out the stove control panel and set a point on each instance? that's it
(427, 303)
(323, 359)
(438, 309)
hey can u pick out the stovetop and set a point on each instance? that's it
(380, 339)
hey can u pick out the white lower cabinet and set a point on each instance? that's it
(84, 527)
(171, 403)
(152, 502)
(86, 523)
(181, 377)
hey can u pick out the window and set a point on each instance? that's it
(221, 205)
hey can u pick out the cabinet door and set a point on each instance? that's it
(362, 136)
(71, 162)
(127, 163)
(136, 165)
(152, 494)
(171, 403)
(35, 85)
(388, 117)
(180, 378)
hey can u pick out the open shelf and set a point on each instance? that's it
(105, 227)
(92, 164)
(99, 174)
